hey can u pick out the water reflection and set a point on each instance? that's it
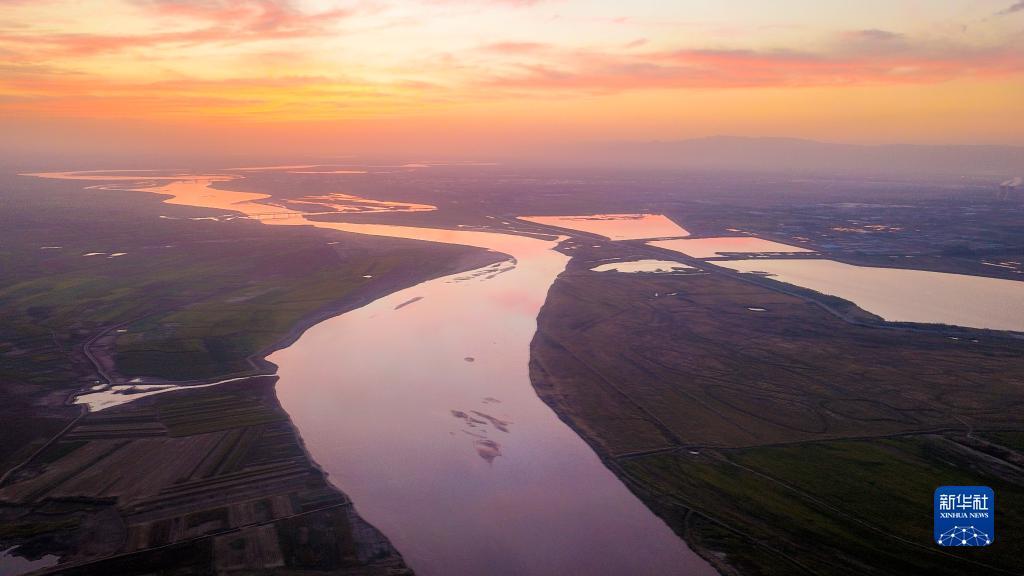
(198, 190)
(654, 266)
(713, 247)
(11, 563)
(900, 295)
(108, 396)
(615, 226)
(419, 406)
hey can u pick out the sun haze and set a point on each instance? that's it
(502, 76)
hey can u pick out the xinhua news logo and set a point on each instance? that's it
(965, 516)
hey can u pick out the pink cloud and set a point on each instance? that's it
(254, 16)
(487, 2)
(517, 47)
(215, 21)
(856, 62)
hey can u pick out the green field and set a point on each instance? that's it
(786, 441)
(221, 472)
(189, 299)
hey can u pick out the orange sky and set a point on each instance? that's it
(501, 76)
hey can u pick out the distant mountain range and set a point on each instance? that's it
(796, 155)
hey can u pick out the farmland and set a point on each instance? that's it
(778, 437)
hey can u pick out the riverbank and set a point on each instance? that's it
(773, 435)
(208, 277)
(201, 480)
(480, 476)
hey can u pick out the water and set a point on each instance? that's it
(419, 406)
(714, 247)
(11, 564)
(615, 226)
(900, 295)
(654, 266)
(197, 190)
(109, 396)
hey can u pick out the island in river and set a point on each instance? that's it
(696, 445)
(524, 514)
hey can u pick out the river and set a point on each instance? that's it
(419, 406)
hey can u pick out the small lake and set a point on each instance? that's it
(104, 397)
(651, 266)
(717, 247)
(900, 295)
(615, 226)
(11, 563)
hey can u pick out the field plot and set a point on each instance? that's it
(751, 419)
(149, 484)
(219, 474)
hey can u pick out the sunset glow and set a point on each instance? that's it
(505, 75)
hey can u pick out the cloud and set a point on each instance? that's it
(211, 22)
(76, 73)
(602, 72)
(1016, 7)
(517, 3)
(257, 16)
(875, 35)
(29, 91)
(516, 47)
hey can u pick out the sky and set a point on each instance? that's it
(485, 77)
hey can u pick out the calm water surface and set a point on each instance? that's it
(713, 247)
(11, 564)
(420, 407)
(905, 295)
(634, 266)
(615, 226)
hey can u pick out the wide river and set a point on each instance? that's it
(419, 406)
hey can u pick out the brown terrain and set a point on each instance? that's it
(210, 481)
(207, 481)
(804, 438)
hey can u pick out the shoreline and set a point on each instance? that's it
(261, 376)
(546, 395)
(472, 260)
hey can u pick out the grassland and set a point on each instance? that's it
(201, 481)
(788, 440)
(189, 299)
(217, 475)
